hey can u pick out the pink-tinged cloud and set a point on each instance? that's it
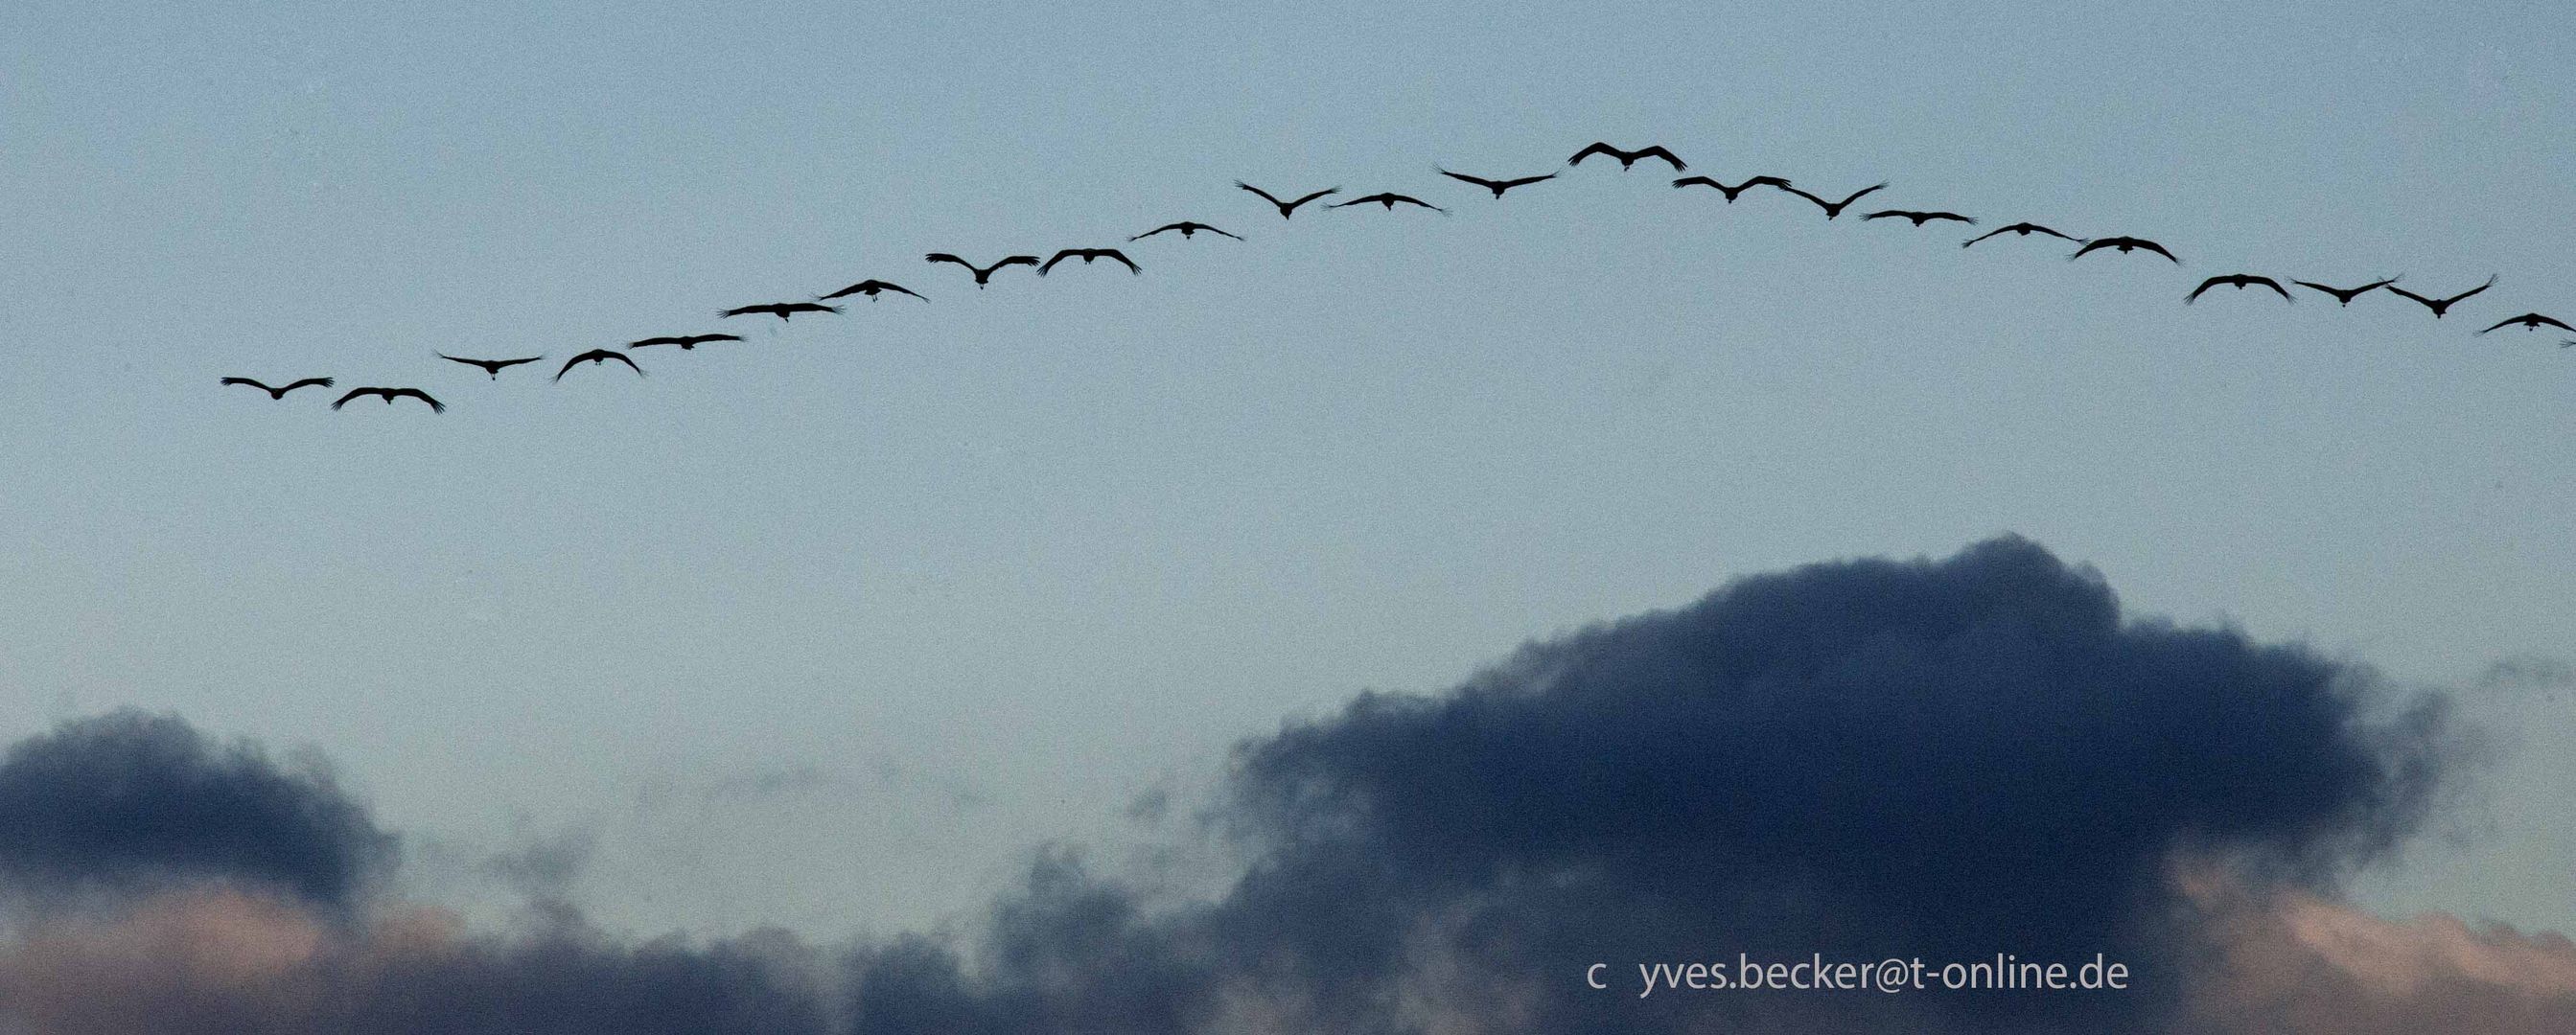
(2295, 964)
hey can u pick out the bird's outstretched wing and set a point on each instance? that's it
(254, 384)
(2205, 285)
(945, 257)
(1477, 180)
(2276, 288)
(1820, 202)
(1015, 260)
(1861, 193)
(1597, 147)
(1658, 151)
(1265, 195)
(747, 310)
(354, 393)
(435, 406)
(1697, 181)
(2482, 287)
(323, 382)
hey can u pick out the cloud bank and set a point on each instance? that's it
(1945, 759)
(127, 802)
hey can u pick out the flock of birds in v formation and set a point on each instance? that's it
(1833, 209)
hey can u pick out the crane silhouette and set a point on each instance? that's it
(1628, 159)
(279, 393)
(1497, 186)
(2442, 305)
(2241, 281)
(1918, 218)
(391, 394)
(2344, 296)
(1088, 254)
(2021, 230)
(1390, 201)
(2532, 322)
(1287, 209)
(598, 356)
(983, 274)
(685, 342)
(1834, 209)
(2124, 245)
(1185, 227)
(490, 366)
(871, 288)
(1731, 192)
(781, 310)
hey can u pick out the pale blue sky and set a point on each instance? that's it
(825, 629)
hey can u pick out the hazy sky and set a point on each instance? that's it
(828, 628)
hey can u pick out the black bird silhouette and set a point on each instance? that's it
(391, 394)
(781, 310)
(1390, 201)
(983, 274)
(490, 366)
(2344, 296)
(1088, 254)
(1834, 209)
(1627, 158)
(1497, 186)
(1731, 192)
(2531, 322)
(871, 288)
(2124, 244)
(598, 356)
(2021, 229)
(1919, 218)
(685, 342)
(279, 393)
(2442, 305)
(1186, 228)
(1287, 209)
(2242, 281)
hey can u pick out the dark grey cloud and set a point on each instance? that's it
(1946, 759)
(129, 801)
